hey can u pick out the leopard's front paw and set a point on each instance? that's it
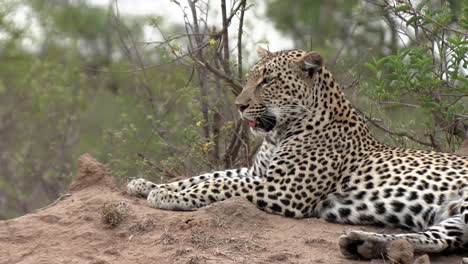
(140, 187)
(168, 200)
(355, 245)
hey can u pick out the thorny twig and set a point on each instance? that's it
(60, 198)
(399, 134)
(123, 31)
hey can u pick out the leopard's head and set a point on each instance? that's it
(280, 87)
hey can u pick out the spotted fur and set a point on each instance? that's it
(318, 159)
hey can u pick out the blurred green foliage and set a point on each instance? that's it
(65, 90)
(70, 83)
(431, 75)
(308, 21)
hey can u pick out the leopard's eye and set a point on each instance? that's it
(267, 80)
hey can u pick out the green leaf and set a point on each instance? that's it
(453, 41)
(430, 105)
(379, 75)
(371, 67)
(412, 20)
(403, 8)
(380, 61)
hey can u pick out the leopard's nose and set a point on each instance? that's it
(242, 107)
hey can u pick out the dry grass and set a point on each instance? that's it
(182, 251)
(220, 223)
(142, 227)
(280, 257)
(201, 239)
(113, 214)
(244, 244)
(196, 260)
(167, 239)
(315, 242)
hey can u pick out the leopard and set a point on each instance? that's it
(319, 159)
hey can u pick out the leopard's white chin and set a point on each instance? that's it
(258, 132)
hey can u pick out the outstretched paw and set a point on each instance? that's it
(356, 245)
(140, 187)
(168, 200)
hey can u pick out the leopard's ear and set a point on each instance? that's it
(261, 52)
(311, 62)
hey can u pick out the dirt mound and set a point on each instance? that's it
(91, 173)
(235, 213)
(98, 224)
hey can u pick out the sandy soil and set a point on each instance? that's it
(234, 231)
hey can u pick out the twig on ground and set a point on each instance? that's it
(61, 197)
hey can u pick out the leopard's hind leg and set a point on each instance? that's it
(449, 234)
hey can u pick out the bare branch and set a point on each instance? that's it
(156, 166)
(417, 12)
(399, 103)
(399, 134)
(124, 31)
(225, 39)
(239, 40)
(237, 87)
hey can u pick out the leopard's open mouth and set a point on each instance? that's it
(265, 123)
